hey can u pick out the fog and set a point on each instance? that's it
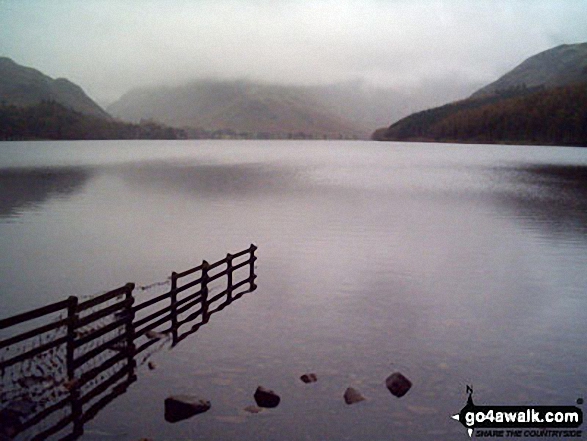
(109, 47)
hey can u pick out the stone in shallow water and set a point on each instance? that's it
(13, 415)
(154, 335)
(309, 378)
(180, 407)
(232, 419)
(10, 424)
(398, 385)
(266, 397)
(352, 396)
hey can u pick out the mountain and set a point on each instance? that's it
(23, 86)
(347, 109)
(542, 101)
(560, 66)
(240, 106)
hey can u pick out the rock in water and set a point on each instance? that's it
(309, 378)
(12, 417)
(180, 407)
(266, 397)
(10, 424)
(253, 409)
(398, 385)
(154, 335)
(352, 396)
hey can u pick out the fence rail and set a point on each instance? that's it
(72, 344)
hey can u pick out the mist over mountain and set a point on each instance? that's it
(541, 101)
(241, 106)
(348, 109)
(24, 86)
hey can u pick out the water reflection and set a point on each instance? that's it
(551, 197)
(25, 188)
(41, 400)
(226, 180)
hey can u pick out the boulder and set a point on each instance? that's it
(398, 385)
(266, 397)
(309, 378)
(180, 407)
(352, 396)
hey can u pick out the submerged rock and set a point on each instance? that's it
(397, 384)
(309, 378)
(154, 335)
(12, 417)
(266, 397)
(352, 396)
(10, 423)
(253, 409)
(180, 407)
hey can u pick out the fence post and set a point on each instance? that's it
(173, 297)
(252, 275)
(71, 323)
(76, 408)
(130, 332)
(229, 277)
(204, 285)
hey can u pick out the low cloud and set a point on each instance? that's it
(109, 47)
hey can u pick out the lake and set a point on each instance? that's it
(455, 265)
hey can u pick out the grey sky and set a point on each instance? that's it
(111, 46)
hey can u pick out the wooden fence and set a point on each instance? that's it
(79, 356)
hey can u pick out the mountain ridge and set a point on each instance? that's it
(239, 105)
(541, 101)
(344, 109)
(25, 86)
(562, 65)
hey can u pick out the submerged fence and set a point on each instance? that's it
(64, 362)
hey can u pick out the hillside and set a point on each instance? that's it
(51, 120)
(536, 103)
(239, 106)
(547, 117)
(560, 66)
(23, 86)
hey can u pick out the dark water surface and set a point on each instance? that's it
(453, 264)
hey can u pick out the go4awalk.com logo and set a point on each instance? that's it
(520, 421)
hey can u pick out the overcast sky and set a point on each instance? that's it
(111, 46)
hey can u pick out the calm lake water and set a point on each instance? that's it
(453, 264)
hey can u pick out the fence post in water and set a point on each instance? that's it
(173, 297)
(229, 277)
(130, 332)
(76, 408)
(204, 285)
(252, 268)
(71, 323)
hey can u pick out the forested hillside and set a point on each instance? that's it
(524, 116)
(51, 120)
(541, 101)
